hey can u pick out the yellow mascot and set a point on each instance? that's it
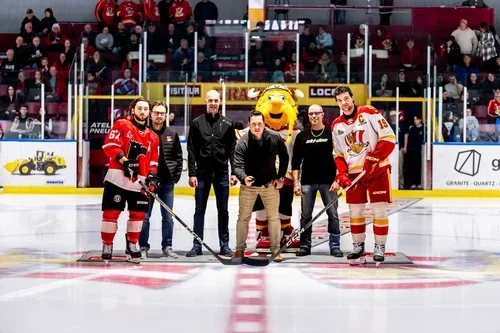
(279, 105)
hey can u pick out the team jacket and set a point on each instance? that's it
(105, 11)
(128, 11)
(210, 144)
(180, 11)
(170, 155)
(151, 12)
(494, 108)
(366, 132)
(126, 139)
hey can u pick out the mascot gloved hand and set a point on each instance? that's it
(279, 106)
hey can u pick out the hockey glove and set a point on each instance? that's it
(152, 182)
(343, 180)
(131, 168)
(370, 165)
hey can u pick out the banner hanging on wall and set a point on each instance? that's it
(467, 167)
(38, 163)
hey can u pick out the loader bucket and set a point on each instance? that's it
(12, 166)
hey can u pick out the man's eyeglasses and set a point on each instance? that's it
(159, 114)
(315, 113)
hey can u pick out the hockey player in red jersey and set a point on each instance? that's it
(133, 151)
(105, 13)
(363, 140)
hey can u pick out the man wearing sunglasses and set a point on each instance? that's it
(169, 172)
(313, 170)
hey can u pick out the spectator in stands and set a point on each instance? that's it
(93, 84)
(69, 50)
(171, 118)
(105, 13)
(464, 69)
(342, 70)
(88, 50)
(47, 22)
(20, 52)
(104, 41)
(418, 87)
(9, 68)
(453, 91)
(156, 41)
(473, 89)
(126, 85)
(486, 48)
(21, 87)
(405, 87)
(128, 13)
(20, 126)
(280, 52)
(35, 53)
(490, 84)
(205, 10)
(207, 51)
(28, 34)
(139, 32)
(132, 64)
(324, 40)
(453, 53)
(466, 38)
(184, 50)
(403, 144)
(358, 42)
(62, 65)
(310, 56)
(121, 37)
(182, 68)
(10, 104)
(383, 88)
(164, 8)
(448, 129)
(36, 126)
(383, 40)
(56, 89)
(173, 38)
(87, 32)
(277, 75)
(306, 38)
(152, 74)
(472, 126)
(385, 13)
(35, 88)
(204, 68)
(151, 12)
(189, 34)
(325, 70)
(414, 154)
(257, 56)
(411, 59)
(30, 17)
(55, 41)
(180, 13)
(45, 69)
(291, 70)
(132, 46)
(97, 65)
(339, 14)
(494, 110)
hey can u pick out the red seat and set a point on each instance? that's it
(63, 108)
(480, 111)
(4, 126)
(59, 128)
(33, 108)
(52, 109)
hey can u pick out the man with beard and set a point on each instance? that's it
(210, 145)
(133, 151)
(312, 154)
(363, 141)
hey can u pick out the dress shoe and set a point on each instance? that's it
(238, 254)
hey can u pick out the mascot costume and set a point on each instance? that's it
(279, 105)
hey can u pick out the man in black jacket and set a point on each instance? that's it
(169, 172)
(255, 167)
(210, 146)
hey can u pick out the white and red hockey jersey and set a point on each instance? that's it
(367, 132)
(125, 139)
(128, 11)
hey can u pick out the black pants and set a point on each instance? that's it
(414, 167)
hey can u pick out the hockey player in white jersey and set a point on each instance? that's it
(363, 140)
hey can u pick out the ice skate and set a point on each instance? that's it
(358, 254)
(378, 254)
(133, 254)
(107, 253)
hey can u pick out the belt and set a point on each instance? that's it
(264, 186)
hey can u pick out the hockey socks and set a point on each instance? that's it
(109, 225)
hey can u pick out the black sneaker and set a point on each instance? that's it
(336, 252)
(226, 251)
(303, 251)
(195, 251)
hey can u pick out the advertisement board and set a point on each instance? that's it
(237, 93)
(38, 163)
(465, 167)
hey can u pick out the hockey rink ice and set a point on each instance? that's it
(452, 286)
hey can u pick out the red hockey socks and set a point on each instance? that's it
(134, 226)
(380, 222)
(357, 222)
(109, 225)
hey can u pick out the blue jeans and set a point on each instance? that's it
(220, 182)
(166, 194)
(308, 199)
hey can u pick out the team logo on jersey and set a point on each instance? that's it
(129, 135)
(117, 198)
(136, 150)
(355, 144)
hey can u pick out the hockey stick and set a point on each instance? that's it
(223, 261)
(266, 261)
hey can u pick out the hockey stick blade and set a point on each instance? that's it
(224, 261)
(251, 261)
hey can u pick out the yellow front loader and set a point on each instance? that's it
(43, 161)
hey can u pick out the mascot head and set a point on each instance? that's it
(279, 105)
